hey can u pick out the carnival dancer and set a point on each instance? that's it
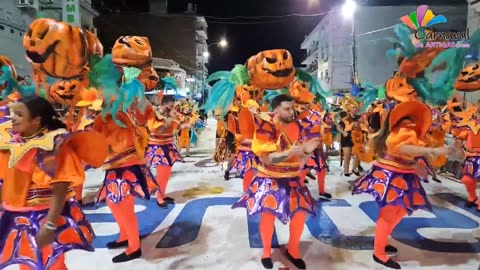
(466, 131)
(309, 120)
(276, 191)
(197, 129)
(349, 107)
(230, 140)
(393, 179)
(88, 111)
(161, 154)
(245, 161)
(435, 138)
(126, 176)
(188, 118)
(40, 164)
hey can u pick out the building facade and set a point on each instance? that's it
(16, 16)
(179, 37)
(329, 45)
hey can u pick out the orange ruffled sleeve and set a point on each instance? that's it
(405, 135)
(69, 168)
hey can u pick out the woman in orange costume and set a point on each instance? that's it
(161, 151)
(245, 161)
(126, 177)
(276, 190)
(393, 179)
(466, 130)
(40, 163)
(359, 141)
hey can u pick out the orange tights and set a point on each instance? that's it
(126, 218)
(320, 179)
(58, 265)
(247, 179)
(267, 226)
(388, 219)
(163, 175)
(471, 187)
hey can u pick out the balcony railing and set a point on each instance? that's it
(313, 49)
(311, 68)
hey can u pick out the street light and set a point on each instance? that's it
(348, 12)
(349, 8)
(222, 44)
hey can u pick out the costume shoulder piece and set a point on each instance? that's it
(266, 134)
(310, 123)
(467, 119)
(49, 143)
(18, 147)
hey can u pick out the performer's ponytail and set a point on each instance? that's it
(40, 107)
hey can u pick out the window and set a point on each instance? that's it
(2, 27)
(321, 75)
(12, 31)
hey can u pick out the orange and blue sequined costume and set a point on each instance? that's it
(393, 179)
(243, 126)
(310, 124)
(125, 170)
(28, 168)
(276, 189)
(161, 149)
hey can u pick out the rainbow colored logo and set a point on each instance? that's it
(423, 17)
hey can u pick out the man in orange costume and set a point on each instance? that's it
(276, 191)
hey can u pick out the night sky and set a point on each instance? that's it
(246, 37)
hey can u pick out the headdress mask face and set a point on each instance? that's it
(66, 92)
(469, 79)
(56, 48)
(132, 51)
(272, 69)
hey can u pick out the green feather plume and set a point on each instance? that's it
(239, 75)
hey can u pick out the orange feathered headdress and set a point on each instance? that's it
(299, 92)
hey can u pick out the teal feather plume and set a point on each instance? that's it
(403, 42)
(219, 75)
(220, 96)
(314, 87)
(438, 91)
(170, 83)
(93, 73)
(11, 83)
(368, 96)
(455, 57)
